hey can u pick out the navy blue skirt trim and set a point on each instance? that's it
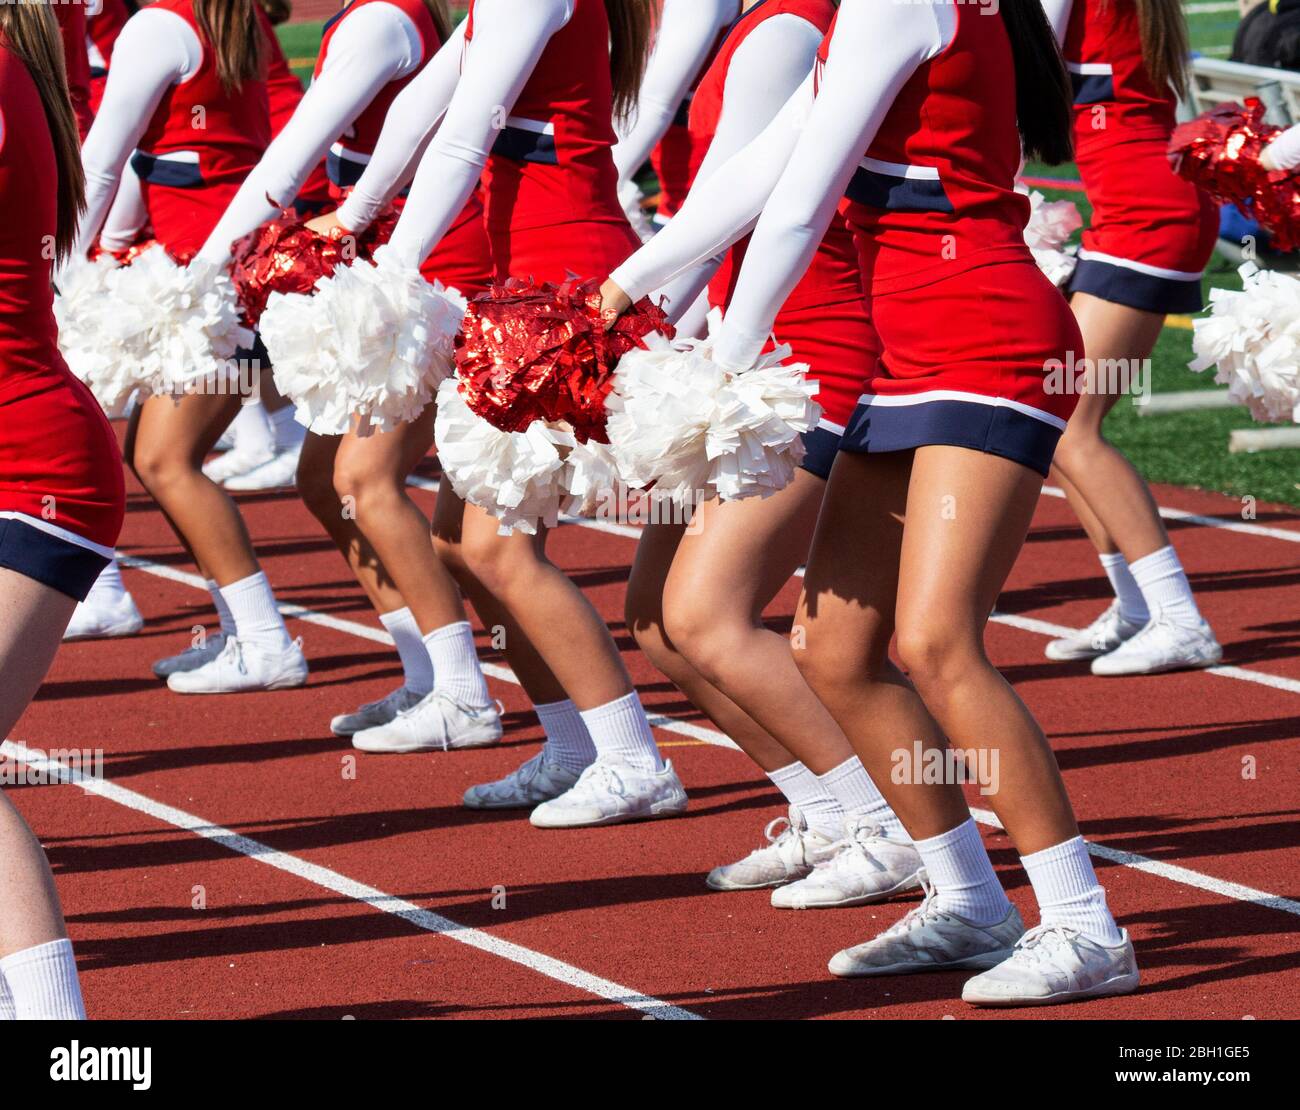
(46, 558)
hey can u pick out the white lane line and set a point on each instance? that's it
(1242, 527)
(716, 739)
(337, 883)
(1235, 892)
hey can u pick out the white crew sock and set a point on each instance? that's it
(417, 670)
(43, 982)
(820, 808)
(224, 614)
(850, 784)
(1165, 587)
(252, 432)
(287, 431)
(456, 669)
(7, 1011)
(963, 876)
(108, 590)
(568, 742)
(253, 609)
(1132, 605)
(1068, 893)
(621, 733)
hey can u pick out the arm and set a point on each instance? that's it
(687, 32)
(765, 71)
(155, 51)
(372, 48)
(509, 38)
(1058, 15)
(127, 216)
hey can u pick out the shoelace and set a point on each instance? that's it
(609, 778)
(1043, 943)
(234, 649)
(918, 915)
(855, 846)
(1102, 626)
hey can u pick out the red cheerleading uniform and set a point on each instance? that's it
(72, 27)
(679, 154)
(61, 488)
(940, 234)
(1151, 233)
(463, 259)
(191, 173)
(824, 320)
(102, 30)
(552, 188)
(284, 93)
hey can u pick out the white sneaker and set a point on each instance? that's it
(1105, 634)
(862, 868)
(1053, 963)
(1162, 646)
(233, 462)
(375, 713)
(105, 622)
(931, 939)
(243, 667)
(279, 471)
(191, 659)
(538, 780)
(791, 851)
(608, 793)
(435, 723)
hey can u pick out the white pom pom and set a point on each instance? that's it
(372, 342)
(1253, 338)
(83, 309)
(171, 326)
(680, 421)
(517, 477)
(1051, 223)
(591, 479)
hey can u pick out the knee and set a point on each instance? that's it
(935, 656)
(316, 488)
(450, 554)
(497, 562)
(158, 465)
(820, 665)
(358, 485)
(709, 640)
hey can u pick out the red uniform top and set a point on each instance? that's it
(72, 26)
(56, 450)
(833, 275)
(1113, 93)
(200, 144)
(678, 156)
(364, 133)
(102, 30)
(935, 193)
(552, 162)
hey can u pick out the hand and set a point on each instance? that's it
(326, 223)
(613, 302)
(1266, 160)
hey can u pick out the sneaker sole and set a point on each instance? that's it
(983, 962)
(416, 746)
(292, 683)
(1061, 655)
(1163, 668)
(1116, 984)
(515, 804)
(657, 811)
(725, 885)
(907, 884)
(113, 632)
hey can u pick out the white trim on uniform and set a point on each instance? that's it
(1139, 267)
(898, 169)
(534, 125)
(831, 426)
(960, 395)
(58, 533)
(1091, 69)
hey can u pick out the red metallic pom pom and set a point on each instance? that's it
(1219, 151)
(286, 256)
(541, 352)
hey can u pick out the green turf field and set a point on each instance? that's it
(1189, 449)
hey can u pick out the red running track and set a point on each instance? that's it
(233, 865)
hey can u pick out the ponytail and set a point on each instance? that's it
(1165, 43)
(631, 24)
(235, 34)
(32, 33)
(1043, 94)
(441, 14)
(277, 11)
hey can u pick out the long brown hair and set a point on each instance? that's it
(631, 24)
(32, 33)
(277, 11)
(1165, 43)
(441, 13)
(1043, 96)
(231, 26)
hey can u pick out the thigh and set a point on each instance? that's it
(188, 426)
(967, 517)
(655, 552)
(387, 454)
(35, 616)
(738, 554)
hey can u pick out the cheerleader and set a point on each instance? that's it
(370, 52)
(179, 61)
(696, 596)
(942, 463)
(61, 490)
(687, 36)
(1151, 235)
(547, 71)
(103, 24)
